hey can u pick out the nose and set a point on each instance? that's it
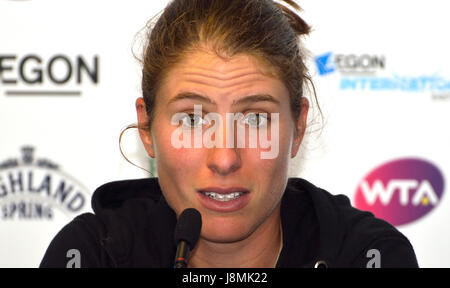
(224, 159)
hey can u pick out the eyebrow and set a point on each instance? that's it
(245, 100)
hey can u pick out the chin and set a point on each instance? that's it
(225, 229)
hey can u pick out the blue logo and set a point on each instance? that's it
(325, 64)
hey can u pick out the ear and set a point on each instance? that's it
(301, 127)
(145, 134)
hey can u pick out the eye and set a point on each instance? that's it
(193, 120)
(256, 120)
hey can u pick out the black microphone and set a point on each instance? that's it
(187, 232)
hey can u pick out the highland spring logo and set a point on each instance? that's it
(31, 188)
(257, 133)
(401, 191)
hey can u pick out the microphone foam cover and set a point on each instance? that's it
(188, 227)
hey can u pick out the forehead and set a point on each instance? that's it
(206, 71)
(225, 66)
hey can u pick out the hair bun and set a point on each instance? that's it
(297, 24)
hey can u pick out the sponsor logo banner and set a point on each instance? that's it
(401, 191)
(361, 72)
(32, 188)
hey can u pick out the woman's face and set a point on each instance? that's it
(235, 189)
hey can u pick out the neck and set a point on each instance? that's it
(259, 250)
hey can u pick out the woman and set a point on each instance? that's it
(211, 59)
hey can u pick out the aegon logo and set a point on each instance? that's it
(401, 191)
(37, 73)
(349, 63)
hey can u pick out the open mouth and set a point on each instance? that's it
(223, 197)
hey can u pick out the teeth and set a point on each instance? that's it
(223, 197)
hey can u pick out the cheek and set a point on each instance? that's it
(272, 173)
(276, 156)
(176, 168)
(173, 162)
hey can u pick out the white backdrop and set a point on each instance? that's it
(396, 108)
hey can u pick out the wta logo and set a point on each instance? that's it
(401, 191)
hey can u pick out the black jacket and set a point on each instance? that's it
(133, 226)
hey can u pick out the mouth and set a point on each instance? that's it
(224, 199)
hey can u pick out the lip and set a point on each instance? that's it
(228, 206)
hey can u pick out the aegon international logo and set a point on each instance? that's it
(361, 72)
(401, 191)
(32, 188)
(57, 75)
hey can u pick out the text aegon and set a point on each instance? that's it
(58, 69)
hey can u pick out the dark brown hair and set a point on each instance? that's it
(264, 29)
